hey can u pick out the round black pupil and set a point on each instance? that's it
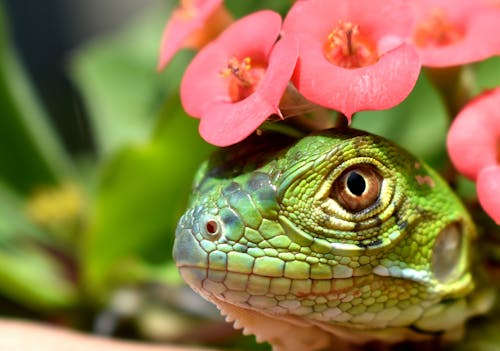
(356, 183)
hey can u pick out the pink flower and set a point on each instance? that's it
(492, 4)
(455, 32)
(474, 147)
(488, 191)
(352, 54)
(192, 25)
(236, 82)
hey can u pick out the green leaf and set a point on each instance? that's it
(148, 160)
(35, 279)
(13, 219)
(29, 273)
(142, 192)
(30, 152)
(488, 73)
(242, 8)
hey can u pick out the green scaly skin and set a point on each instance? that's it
(267, 240)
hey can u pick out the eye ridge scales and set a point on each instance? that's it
(291, 261)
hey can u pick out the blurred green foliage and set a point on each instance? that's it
(27, 141)
(74, 229)
(131, 194)
(148, 150)
(30, 155)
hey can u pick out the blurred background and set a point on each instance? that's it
(68, 253)
(96, 161)
(46, 34)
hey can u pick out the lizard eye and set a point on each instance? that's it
(357, 188)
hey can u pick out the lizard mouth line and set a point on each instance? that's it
(218, 282)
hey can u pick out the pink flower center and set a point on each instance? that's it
(243, 77)
(437, 30)
(346, 47)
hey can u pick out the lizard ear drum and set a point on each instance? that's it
(447, 253)
(357, 188)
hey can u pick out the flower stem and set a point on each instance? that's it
(456, 85)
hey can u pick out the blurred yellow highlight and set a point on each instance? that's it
(58, 209)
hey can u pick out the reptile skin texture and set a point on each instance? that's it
(336, 238)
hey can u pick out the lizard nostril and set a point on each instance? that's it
(211, 228)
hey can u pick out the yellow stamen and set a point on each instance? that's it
(238, 69)
(347, 48)
(243, 77)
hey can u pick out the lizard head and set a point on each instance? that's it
(340, 228)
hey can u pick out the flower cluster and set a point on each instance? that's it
(342, 55)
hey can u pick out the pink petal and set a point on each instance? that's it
(488, 191)
(474, 137)
(202, 84)
(456, 10)
(314, 19)
(479, 26)
(179, 28)
(226, 123)
(281, 65)
(253, 36)
(376, 87)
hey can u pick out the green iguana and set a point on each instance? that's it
(339, 237)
